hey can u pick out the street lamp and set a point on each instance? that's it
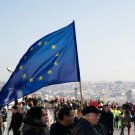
(9, 69)
(75, 93)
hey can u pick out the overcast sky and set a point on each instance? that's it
(105, 32)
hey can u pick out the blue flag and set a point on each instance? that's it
(51, 60)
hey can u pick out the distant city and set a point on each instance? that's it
(117, 91)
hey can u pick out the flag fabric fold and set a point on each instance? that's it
(51, 60)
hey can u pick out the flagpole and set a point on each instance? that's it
(79, 69)
(81, 94)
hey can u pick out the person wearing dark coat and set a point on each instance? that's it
(107, 119)
(64, 123)
(87, 123)
(16, 121)
(35, 122)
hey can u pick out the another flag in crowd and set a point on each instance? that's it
(51, 60)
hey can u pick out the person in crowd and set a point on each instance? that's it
(35, 102)
(56, 109)
(1, 124)
(107, 119)
(16, 121)
(116, 112)
(29, 102)
(40, 99)
(78, 115)
(121, 122)
(50, 119)
(64, 123)
(127, 120)
(4, 116)
(127, 106)
(133, 119)
(24, 108)
(86, 125)
(35, 122)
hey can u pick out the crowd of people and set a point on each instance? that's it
(32, 117)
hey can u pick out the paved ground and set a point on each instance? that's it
(116, 131)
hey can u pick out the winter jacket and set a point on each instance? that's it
(84, 128)
(34, 127)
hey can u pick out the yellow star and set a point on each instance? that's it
(40, 43)
(46, 42)
(53, 46)
(55, 63)
(49, 72)
(40, 78)
(31, 48)
(57, 54)
(31, 80)
(24, 76)
(21, 67)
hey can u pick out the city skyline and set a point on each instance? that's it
(104, 31)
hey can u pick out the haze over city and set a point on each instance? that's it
(104, 30)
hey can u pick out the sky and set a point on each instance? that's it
(105, 31)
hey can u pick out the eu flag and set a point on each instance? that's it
(51, 60)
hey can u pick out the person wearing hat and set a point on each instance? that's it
(86, 125)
